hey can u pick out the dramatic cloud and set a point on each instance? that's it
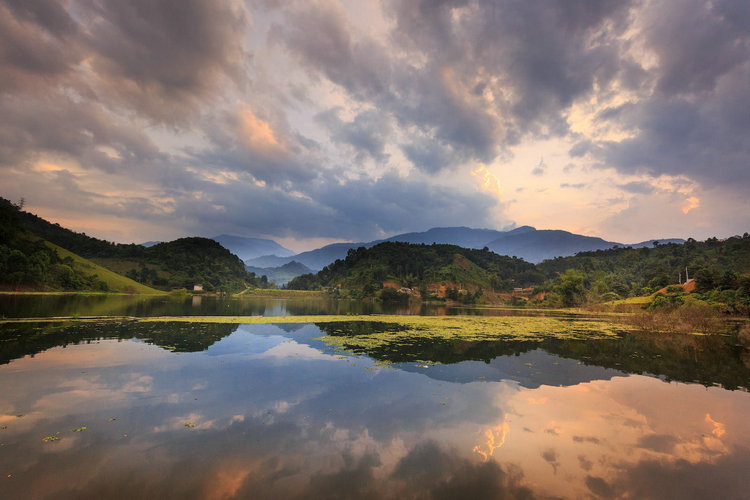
(333, 119)
(164, 60)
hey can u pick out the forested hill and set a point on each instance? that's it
(421, 267)
(641, 271)
(177, 264)
(721, 269)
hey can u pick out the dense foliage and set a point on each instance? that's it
(418, 266)
(27, 262)
(177, 264)
(720, 269)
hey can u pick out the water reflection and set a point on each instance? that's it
(43, 306)
(274, 413)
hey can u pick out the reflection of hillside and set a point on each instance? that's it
(27, 339)
(705, 359)
(708, 359)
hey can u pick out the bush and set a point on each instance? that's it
(391, 295)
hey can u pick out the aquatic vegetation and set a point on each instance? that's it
(80, 429)
(471, 327)
(49, 439)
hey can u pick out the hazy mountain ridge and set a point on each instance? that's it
(525, 242)
(280, 275)
(249, 248)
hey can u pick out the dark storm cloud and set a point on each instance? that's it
(430, 155)
(38, 41)
(165, 58)
(368, 133)
(696, 121)
(150, 59)
(60, 124)
(713, 40)
(704, 137)
(327, 207)
(319, 36)
(475, 76)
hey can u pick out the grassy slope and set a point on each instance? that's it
(115, 282)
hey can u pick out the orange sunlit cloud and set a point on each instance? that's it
(488, 182)
(691, 203)
(256, 133)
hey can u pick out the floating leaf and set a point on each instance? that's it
(49, 439)
(188, 424)
(111, 419)
(80, 429)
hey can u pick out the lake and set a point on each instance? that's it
(50, 305)
(201, 410)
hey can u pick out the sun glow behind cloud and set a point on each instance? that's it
(488, 182)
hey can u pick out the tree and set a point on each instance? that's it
(571, 289)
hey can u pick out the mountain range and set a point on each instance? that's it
(526, 242)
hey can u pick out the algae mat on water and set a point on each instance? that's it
(444, 327)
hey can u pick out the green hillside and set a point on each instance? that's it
(115, 282)
(721, 269)
(27, 262)
(430, 270)
(177, 264)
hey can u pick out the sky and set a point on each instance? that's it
(310, 122)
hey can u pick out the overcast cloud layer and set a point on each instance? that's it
(313, 121)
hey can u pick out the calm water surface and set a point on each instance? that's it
(41, 306)
(271, 411)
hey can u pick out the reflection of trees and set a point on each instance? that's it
(23, 339)
(706, 359)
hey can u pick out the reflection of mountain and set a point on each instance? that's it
(530, 369)
(23, 339)
(708, 360)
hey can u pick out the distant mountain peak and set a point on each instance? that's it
(248, 248)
